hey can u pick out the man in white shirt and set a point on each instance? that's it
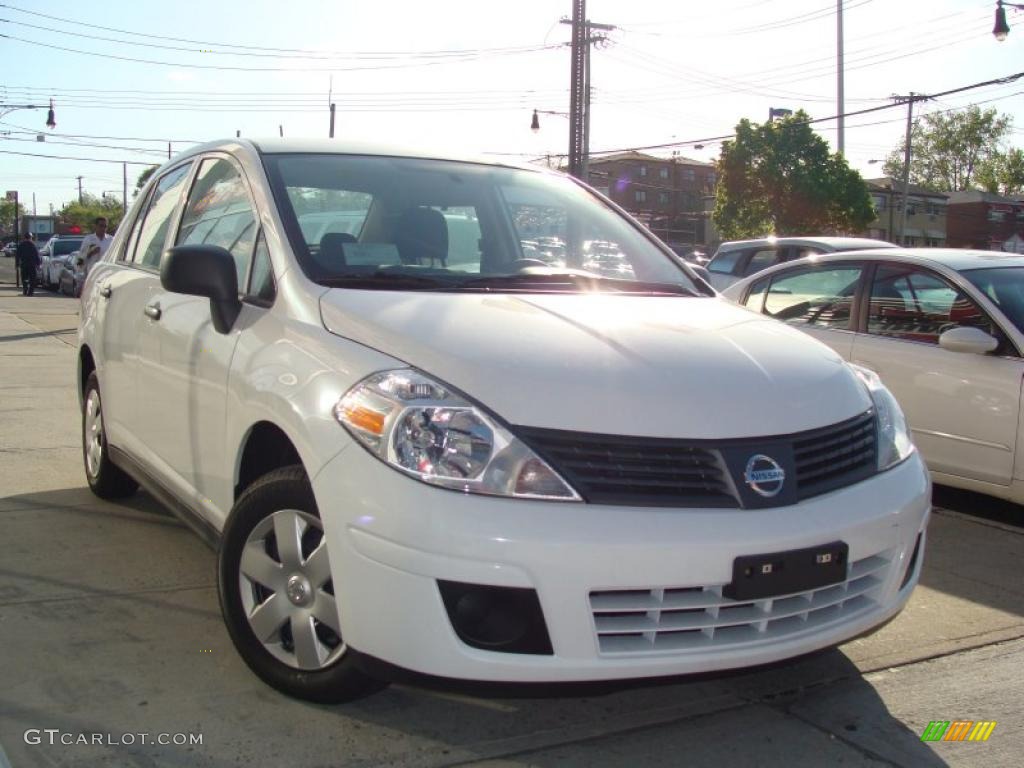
(95, 244)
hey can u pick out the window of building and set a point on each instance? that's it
(879, 201)
(663, 197)
(640, 196)
(994, 215)
(643, 170)
(689, 174)
(663, 173)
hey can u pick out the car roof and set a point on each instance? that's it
(827, 241)
(959, 260)
(279, 146)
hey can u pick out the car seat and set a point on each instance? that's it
(421, 236)
(332, 249)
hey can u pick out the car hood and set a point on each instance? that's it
(629, 365)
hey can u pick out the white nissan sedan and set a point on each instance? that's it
(419, 448)
(943, 328)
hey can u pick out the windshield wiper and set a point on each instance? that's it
(387, 280)
(575, 281)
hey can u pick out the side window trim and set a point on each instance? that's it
(250, 295)
(243, 285)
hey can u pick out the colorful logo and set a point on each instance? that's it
(958, 730)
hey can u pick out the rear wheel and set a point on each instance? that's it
(277, 593)
(105, 479)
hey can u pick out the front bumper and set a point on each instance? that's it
(392, 538)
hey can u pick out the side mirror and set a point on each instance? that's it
(967, 339)
(204, 270)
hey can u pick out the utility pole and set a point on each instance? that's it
(124, 188)
(909, 100)
(168, 150)
(841, 105)
(579, 90)
(330, 133)
(79, 189)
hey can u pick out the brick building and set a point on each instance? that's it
(926, 220)
(986, 221)
(665, 194)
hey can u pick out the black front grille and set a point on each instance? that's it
(834, 457)
(665, 472)
(609, 469)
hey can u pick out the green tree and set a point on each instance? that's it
(85, 212)
(1003, 174)
(7, 216)
(779, 178)
(140, 182)
(950, 150)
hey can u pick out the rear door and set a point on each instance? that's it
(121, 291)
(818, 300)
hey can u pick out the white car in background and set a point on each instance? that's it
(737, 259)
(522, 471)
(943, 329)
(54, 257)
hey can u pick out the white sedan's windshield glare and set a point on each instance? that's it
(352, 219)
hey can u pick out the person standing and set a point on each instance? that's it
(28, 263)
(95, 244)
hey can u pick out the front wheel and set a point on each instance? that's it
(277, 593)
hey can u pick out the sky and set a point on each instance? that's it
(127, 78)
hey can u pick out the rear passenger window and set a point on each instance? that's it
(761, 260)
(820, 297)
(218, 212)
(725, 262)
(149, 239)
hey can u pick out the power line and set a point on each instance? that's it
(136, 33)
(65, 157)
(224, 68)
(710, 139)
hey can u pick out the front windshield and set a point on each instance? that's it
(386, 222)
(1005, 286)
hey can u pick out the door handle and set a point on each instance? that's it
(105, 291)
(153, 311)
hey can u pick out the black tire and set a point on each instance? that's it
(106, 480)
(337, 679)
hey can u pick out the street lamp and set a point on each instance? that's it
(1002, 29)
(6, 109)
(535, 122)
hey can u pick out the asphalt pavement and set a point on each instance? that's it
(112, 640)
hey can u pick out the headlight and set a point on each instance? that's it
(894, 442)
(422, 428)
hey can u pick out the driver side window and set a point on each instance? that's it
(916, 305)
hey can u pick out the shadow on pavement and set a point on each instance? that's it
(978, 505)
(814, 711)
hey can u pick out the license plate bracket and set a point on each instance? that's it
(755, 577)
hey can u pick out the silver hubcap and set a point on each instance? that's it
(93, 434)
(287, 592)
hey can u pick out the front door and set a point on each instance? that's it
(962, 408)
(189, 361)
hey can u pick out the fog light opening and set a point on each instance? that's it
(909, 574)
(503, 619)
